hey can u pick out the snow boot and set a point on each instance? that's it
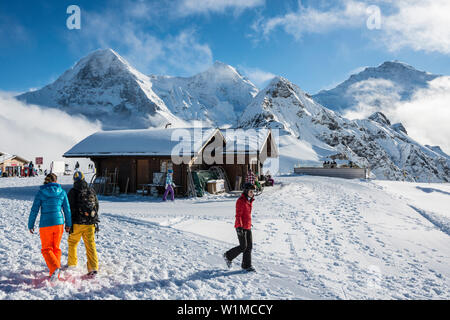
(227, 261)
(250, 269)
(92, 274)
(55, 275)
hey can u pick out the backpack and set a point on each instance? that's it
(86, 202)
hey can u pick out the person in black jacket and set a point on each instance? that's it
(84, 207)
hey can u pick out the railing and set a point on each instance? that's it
(347, 173)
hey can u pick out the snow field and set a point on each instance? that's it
(314, 238)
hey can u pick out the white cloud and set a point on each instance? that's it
(126, 31)
(420, 25)
(185, 53)
(426, 116)
(371, 94)
(31, 131)
(258, 77)
(309, 20)
(416, 24)
(189, 7)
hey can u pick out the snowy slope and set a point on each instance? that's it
(390, 81)
(438, 150)
(314, 238)
(373, 142)
(217, 96)
(103, 86)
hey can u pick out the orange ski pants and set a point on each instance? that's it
(51, 239)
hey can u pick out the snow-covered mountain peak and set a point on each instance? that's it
(221, 65)
(104, 86)
(283, 105)
(100, 63)
(396, 64)
(398, 71)
(395, 80)
(280, 86)
(380, 118)
(399, 127)
(222, 73)
(217, 95)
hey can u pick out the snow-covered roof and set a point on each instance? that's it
(167, 142)
(248, 141)
(6, 156)
(147, 142)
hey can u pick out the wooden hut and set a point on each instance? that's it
(247, 149)
(141, 158)
(11, 165)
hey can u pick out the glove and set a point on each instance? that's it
(240, 231)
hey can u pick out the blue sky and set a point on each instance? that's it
(315, 44)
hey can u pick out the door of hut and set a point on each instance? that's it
(143, 172)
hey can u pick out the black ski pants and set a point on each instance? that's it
(245, 247)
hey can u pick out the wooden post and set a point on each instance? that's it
(126, 186)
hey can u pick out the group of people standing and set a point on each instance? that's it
(77, 214)
(80, 219)
(330, 164)
(28, 170)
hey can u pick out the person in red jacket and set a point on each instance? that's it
(243, 227)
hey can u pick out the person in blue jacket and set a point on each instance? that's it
(50, 199)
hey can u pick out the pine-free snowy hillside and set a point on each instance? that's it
(320, 132)
(314, 238)
(217, 96)
(103, 86)
(390, 81)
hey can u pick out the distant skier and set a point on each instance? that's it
(169, 186)
(243, 225)
(84, 207)
(49, 200)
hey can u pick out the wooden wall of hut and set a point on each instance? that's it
(139, 170)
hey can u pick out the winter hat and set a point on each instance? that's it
(78, 176)
(170, 171)
(247, 187)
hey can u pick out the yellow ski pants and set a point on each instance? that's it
(88, 234)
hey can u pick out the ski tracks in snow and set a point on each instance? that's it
(314, 238)
(344, 235)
